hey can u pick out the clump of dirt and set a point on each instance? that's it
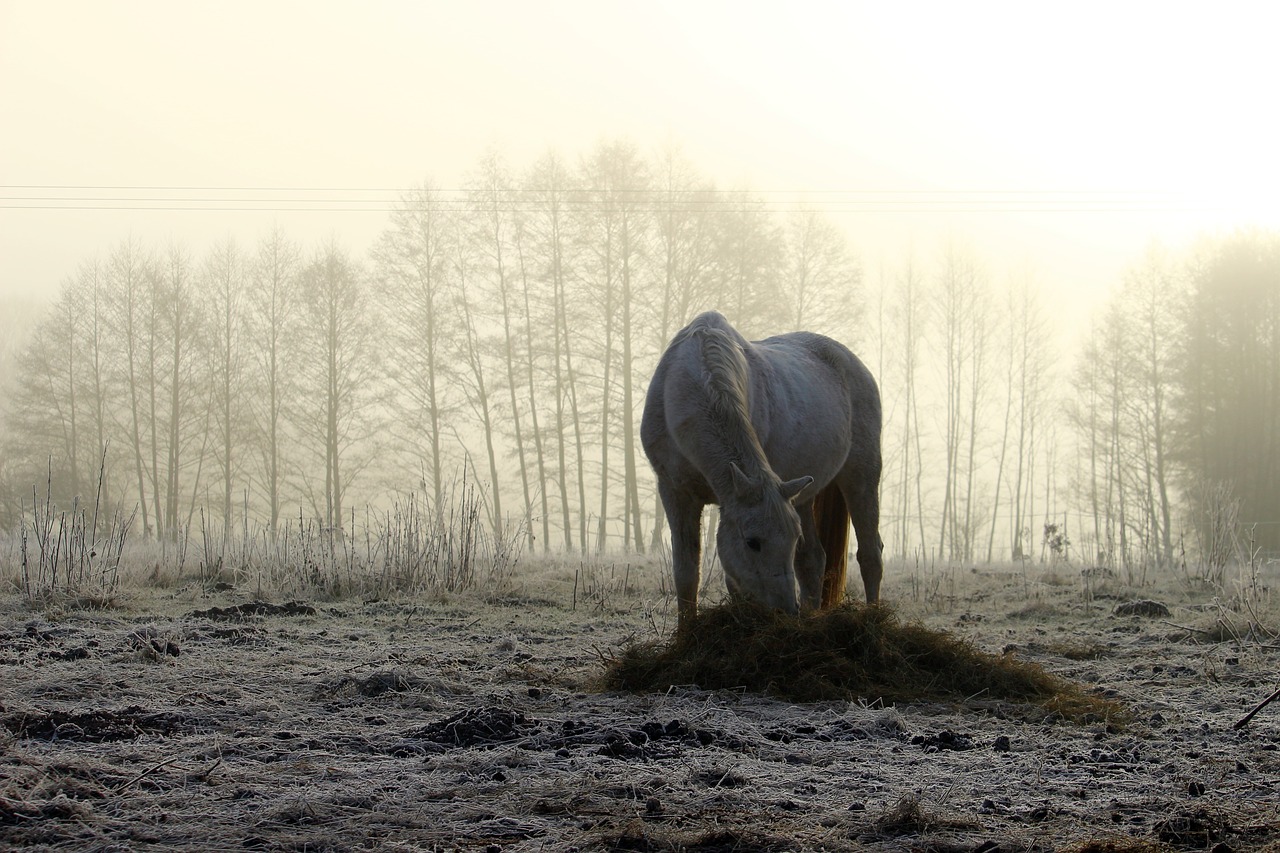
(850, 653)
(1193, 830)
(61, 807)
(1110, 845)
(99, 726)
(473, 727)
(1142, 607)
(909, 817)
(153, 643)
(649, 840)
(255, 608)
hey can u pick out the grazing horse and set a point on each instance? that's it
(783, 434)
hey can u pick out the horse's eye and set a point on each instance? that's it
(754, 544)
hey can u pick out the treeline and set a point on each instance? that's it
(1176, 404)
(504, 330)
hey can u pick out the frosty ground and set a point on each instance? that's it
(228, 718)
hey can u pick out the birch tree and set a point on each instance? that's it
(494, 234)
(820, 282)
(616, 182)
(547, 188)
(475, 381)
(962, 324)
(342, 390)
(131, 290)
(272, 324)
(223, 284)
(413, 271)
(179, 378)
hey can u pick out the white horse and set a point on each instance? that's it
(783, 434)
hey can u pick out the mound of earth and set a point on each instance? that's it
(850, 653)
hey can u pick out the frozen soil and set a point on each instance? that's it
(194, 720)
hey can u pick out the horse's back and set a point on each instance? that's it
(823, 406)
(856, 379)
(807, 394)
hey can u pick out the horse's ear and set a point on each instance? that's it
(744, 487)
(792, 488)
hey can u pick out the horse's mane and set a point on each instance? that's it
(724, 367)
(727, 381)
(726, 377)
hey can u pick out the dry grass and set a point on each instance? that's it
(61, 556)
(1072, 650)
(1117, 846)
(851, 653)
(460, 722)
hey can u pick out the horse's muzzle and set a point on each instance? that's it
(786, 602)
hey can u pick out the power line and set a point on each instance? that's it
(298, 199)
(827, 210)
(650, 190)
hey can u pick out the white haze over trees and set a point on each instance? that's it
(505, 331)
(1052, 235)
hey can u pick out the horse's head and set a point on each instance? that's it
(757, 538)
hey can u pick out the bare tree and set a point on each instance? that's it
(20, 319)
(962, 323)
(185, 419)
(272, 325)
(1035, 359)
(473, 379)
(532, 352)
(413, 269)
(1084, 409)
(748, 261)
(1027, 353)
(1098, 410)
(222, 279)
(616, 183)
(685, 244)
(820, 282)
(131, 279)
(493, 231)
(44, 421)
(1150, 293)
(911, 319)
(547, 188)
(342, 377)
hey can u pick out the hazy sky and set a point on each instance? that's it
(1060, 137)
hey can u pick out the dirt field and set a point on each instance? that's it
(189, 719)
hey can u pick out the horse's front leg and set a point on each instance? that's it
(684, 515)
(810, 561)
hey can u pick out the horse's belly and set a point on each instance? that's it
(809, 446)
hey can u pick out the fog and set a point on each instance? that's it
(1049, 155)
(1113, 125)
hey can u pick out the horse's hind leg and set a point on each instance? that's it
(864, 510)
(810, 560)
(684, 514)
(831, 518)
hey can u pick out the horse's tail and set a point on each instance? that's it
(832, 519)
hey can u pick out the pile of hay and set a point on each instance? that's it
(849, 653)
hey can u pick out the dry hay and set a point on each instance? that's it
(850, 653)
